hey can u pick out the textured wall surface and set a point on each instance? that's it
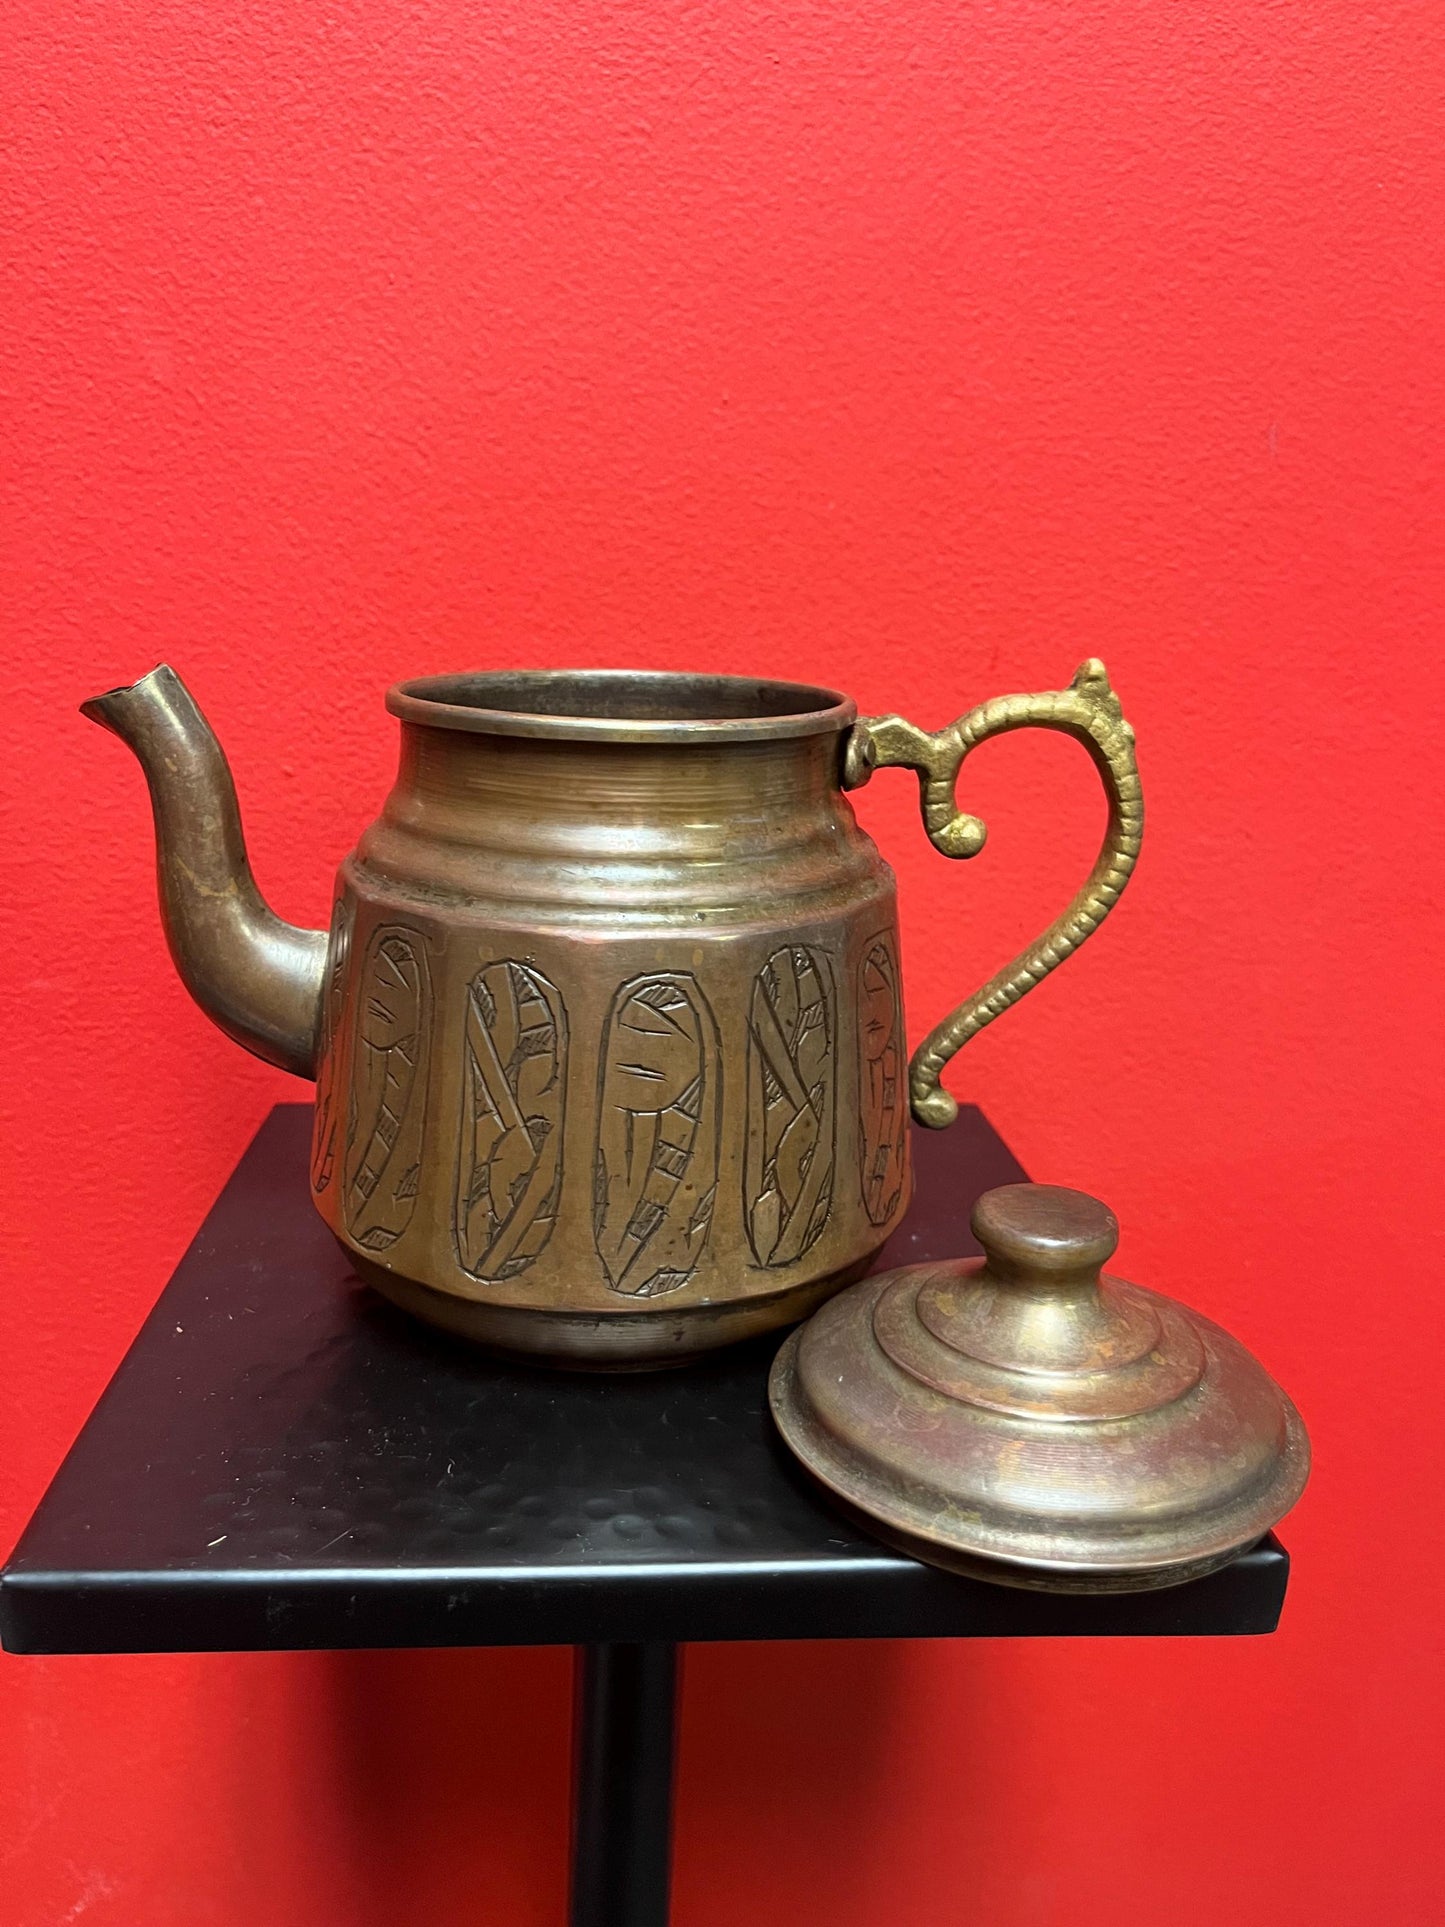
(921, 348)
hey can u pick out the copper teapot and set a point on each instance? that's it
(607, 1029)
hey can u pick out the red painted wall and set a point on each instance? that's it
(925, 349)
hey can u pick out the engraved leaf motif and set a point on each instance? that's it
(789, 1145)
(327, 1120)
(510, 1157)
(656, 1164)
(386, 1111)
(882, 1084)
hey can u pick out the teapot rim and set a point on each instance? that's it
(621, 705)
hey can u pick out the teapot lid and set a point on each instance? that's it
(1027, 1418)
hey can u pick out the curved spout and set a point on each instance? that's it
(257, 977)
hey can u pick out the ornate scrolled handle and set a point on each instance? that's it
(1087, 710)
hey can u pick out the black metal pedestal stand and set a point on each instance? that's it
(283, 1463)
(624, 1737)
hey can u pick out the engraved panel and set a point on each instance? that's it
(388, 1087)
(328, 1120)
(659, 1089)
(788, 1151)
(509, 1170)
(882, 1080)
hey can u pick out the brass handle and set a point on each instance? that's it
(1087, 710)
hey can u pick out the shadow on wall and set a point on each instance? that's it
(785, 1750)
(452, 1772)
(453, 1776)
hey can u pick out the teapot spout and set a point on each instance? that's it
(258, 978)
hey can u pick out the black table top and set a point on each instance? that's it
(282, 1460)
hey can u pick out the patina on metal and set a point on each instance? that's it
(608, 1026)
(257, 977)
(1088, 710)
(1028, 1419)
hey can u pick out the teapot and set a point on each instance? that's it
(607, 1029)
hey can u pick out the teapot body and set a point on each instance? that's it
(612, 1063)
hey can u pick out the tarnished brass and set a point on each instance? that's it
(608, 1027)
(257, 977)
(1025, 1418)
(1087, 710)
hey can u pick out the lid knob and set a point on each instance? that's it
(1044, 1234)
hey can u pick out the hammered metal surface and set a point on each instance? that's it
(282, 1460)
